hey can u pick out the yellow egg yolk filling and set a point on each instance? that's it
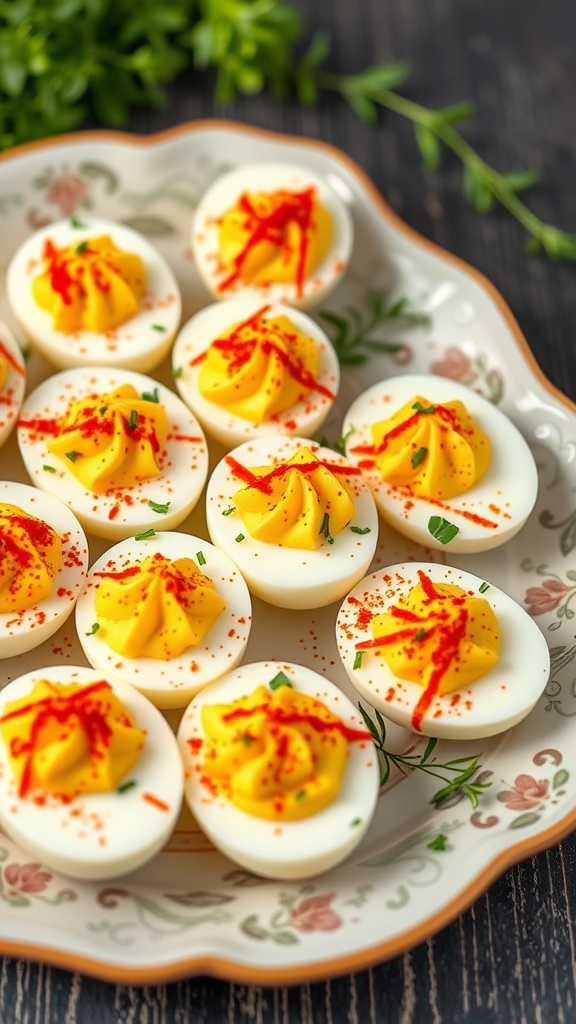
(156, 609)
(437, 451)
(260, 367)
(301, 503)
(90, 285)
(30, 557)
(439, 636)
(278, 755)
(3, 368)
(111, 440)
(68, 739)
(273, 237)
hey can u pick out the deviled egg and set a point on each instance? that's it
(273, 231)
(297, 519)
(446, 467)
(120, 449)
(248, 369)
(43, 563)
(91, 292)
(441, 651)
(280, 772)
(167, 614)
(12, 381)
(91, 778)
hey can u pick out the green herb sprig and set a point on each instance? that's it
(455, 774)
(352, 330)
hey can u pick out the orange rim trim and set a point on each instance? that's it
(221, 967)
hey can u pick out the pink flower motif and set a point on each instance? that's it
(314, 914)
(545, 598)
(28, 878)
(456, 365)
(526, 792)
(67, 192)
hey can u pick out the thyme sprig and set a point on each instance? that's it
(483, 186)
(456, 774)
(352, 330)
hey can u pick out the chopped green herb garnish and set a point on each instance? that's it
(82, 247)
(200, 558)
(157, 507)
(340, 445)
(440, 842)
(358, 660)
(103, 409)
(94, 629)
(361, 530)
(145, 535)
(418, 457)
(300, 794)
(151, 396)
(133, 420)
(48, 469)
(158, 327)
(280, 679)
(26, 353)
(419, 634)
(177, 372)
(484, 587)
(246, 738)
(355, 822)
(424, 409)
(71, 455)
(75, 223)
(325, 529)
(229, 511)
(239, 538)
(125, 786)
(441, 529)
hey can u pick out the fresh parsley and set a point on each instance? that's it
(418, 457)
(159, 508)
(280, 679)
(441, 529)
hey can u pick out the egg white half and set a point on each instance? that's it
(269, 177)
(304, 418)
(496, 701)
(120, 512)
(173, 683)
(12, 391)
(487, 515)
(22, 631)
(139, 344)
(291, 577)
(98, 835)
(285, 849)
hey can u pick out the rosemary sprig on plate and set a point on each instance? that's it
(352, 330)
(455, 774)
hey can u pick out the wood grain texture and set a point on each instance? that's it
(511, 958)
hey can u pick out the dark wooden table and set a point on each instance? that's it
(511, 957)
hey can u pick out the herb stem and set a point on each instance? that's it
(554, 241)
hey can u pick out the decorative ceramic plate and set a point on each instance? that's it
(190, 910)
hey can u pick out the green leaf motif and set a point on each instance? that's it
(560, 779)
(524, 820)
(200, 899)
